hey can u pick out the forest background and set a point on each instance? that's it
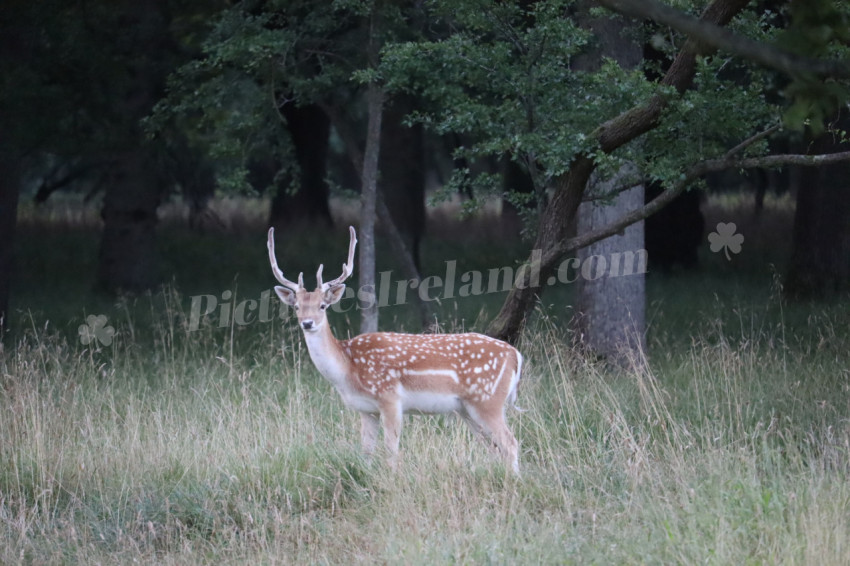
(697, 411)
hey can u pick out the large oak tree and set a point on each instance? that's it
(503, 77)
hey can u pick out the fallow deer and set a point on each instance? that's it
(384, 375)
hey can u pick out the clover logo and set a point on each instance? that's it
(726, 239)
(95, 330)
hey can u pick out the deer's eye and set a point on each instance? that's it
(295, 307)
(323, 306)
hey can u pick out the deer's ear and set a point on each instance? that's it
(285, 295)
(334, 294)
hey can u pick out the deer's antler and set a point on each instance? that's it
(347, 267)
(277, 272)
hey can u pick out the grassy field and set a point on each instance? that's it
(224, 445)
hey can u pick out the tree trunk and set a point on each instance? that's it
(402, 166)
(128, 255)
(397, 244)
(368, 208)
(309, 128)
(820, 261)
(554, 227)
(15, 51)
(610, 306)
(560, 212)
(672, 237)
(9, 191)
(192, 171)
(611, 288)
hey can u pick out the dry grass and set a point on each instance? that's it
(183, 452)
(224, 446)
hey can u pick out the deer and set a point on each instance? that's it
(384, 375)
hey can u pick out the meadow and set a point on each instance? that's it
(728, 442)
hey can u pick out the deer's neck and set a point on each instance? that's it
(327, 355)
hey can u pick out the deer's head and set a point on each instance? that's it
(311, 306)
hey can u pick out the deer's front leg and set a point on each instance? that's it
(368, 432)
(391, 416)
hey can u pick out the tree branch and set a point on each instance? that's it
(698, 170)
(53, 182)
(621, 188)
(751, 140)
(641, 119)
(609, 136)
(725, 40)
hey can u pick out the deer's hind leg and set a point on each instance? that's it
(391, 418)
(491, 427)
(368, 433)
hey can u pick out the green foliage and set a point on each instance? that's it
(68, 85)
(505, 77)
(226, 99)
(815, 103)
(505, 84)
(818, 29)
(727, 105)
(502, 75)
(260, 56)
(77, 77)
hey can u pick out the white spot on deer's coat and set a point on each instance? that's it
(450, 373)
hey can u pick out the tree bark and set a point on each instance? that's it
(673, 236)
(820, 261)
(554, 227)
(610, 306)
(13, 51)
(610, 317)
(128, 255)
(569, 187)
(368, 207)
(9, 191)
(310, 129)
(397, 244)
(402, 167)
(128, 260)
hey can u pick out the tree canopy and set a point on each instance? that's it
(719, 83)
(503, 75)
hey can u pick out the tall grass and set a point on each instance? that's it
(211, 447)
(730, 444)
